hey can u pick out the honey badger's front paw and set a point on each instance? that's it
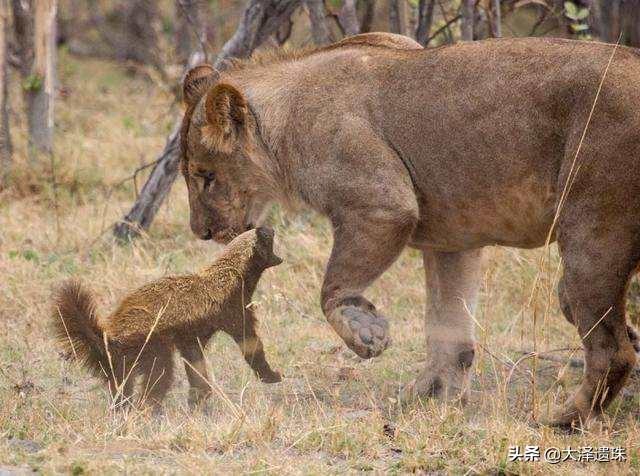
(364, 332)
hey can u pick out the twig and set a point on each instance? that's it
(135, 176)
(541, 19)
(448, 23)
(444, 27)
(571, 362)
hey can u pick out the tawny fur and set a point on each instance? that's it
(447, 150)
(177, 312)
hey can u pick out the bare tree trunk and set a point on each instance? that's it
(5, 136)
(633, 26)
(23, 29)
(425, 20)
(368, 14)
(189, 31)
(466, 23)
(44, 70)
(317, 17)
(609, 21)
(497, 18)
(260, 20)
(397, 17)
(348, 18)
(35, 34)
(140, 40)
(283, 33)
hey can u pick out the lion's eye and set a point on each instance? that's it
(207, 177)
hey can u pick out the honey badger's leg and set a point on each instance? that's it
(121, 378)
(452, 281)
(196, 369)
(243, 331)
(156, 366)
(598, 261)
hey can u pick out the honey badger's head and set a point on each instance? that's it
(256, 245)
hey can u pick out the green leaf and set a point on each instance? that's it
(579, 27)
(33, 82)
(583, 13)
(30, 255)
(571, 11)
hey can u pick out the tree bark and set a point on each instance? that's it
(23, 29)
(317, 17)
(633, 9)
(35, 33)
(497, 18)
(368, 15)
(189, 32)
(42, 85)
(397, 17)
(425, 20)
(348, 18)
(609, 22)
(260, 20)
(139, 42)
(467, 19)
(5, 136)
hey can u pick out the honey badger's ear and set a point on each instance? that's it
(225, 113)
(196, 82)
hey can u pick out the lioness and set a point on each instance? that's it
(446, 150)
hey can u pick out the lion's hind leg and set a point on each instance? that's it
(596, 272)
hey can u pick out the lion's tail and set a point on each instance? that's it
(76, 327)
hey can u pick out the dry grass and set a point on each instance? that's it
(334, 413)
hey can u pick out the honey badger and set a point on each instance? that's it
(174, 312)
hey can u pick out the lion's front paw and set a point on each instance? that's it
(364, 332)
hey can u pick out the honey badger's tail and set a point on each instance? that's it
(76, 327)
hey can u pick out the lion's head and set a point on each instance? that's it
(218, 139)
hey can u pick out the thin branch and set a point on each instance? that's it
(443, 28)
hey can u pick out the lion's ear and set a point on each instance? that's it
(226, 113)
(196, 82)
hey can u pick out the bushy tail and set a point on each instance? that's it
(76, 327)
